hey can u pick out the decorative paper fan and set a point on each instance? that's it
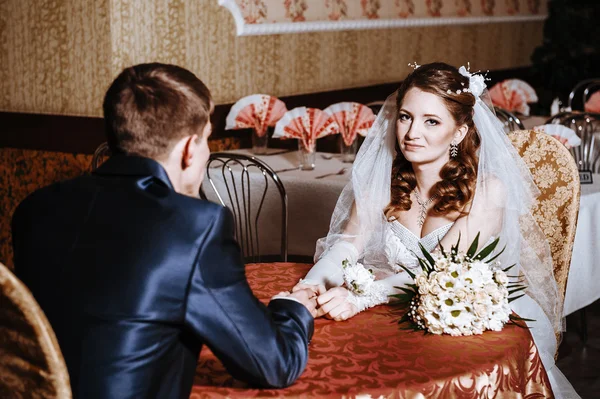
(257, 111)
(305, 124)
(593, 103)
(352, 118)
(513, 95)
(562, 133)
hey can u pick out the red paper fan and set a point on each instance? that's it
(352, 118)
(513, 95)
(257, 111)
(305, 124)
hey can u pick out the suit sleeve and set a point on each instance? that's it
(264, 346)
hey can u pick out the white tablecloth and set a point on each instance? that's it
(584, 274)
(311, 202)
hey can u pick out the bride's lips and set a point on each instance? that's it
(412, 147)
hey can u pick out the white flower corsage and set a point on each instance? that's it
(358, 279)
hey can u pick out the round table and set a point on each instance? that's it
(371, 355)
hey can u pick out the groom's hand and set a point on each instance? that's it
(333, 304)
(305, 296)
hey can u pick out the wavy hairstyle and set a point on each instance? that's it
(459, 176)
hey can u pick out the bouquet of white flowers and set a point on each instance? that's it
(460, 293)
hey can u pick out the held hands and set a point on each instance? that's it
(332, 303)
(306, 297)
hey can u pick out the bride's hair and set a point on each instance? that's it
(459, 176)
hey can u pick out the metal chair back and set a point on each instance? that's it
(511, 121)
(587, 127)
(100, 155)
(241, 183)
(581, 93)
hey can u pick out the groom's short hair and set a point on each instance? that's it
(149, 107)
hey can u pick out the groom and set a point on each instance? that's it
(135, 273)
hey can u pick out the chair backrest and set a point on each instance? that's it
(100, 155)
(511, 121)
(32, 364)
(587, 126)
(241, 183)
(581, 93)
(556, 208)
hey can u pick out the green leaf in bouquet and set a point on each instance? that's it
(509, 267)
(426, 268)
(427, 255)
(495, 256)
(487, 250)
(519, 321)
(473, 248)
(515, 285)
(454, 248)
(442, 248)
(407, 290)
(514, 298)
(402, 298)
(411, 274)
(516, 290)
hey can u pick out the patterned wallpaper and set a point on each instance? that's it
(60, 55)
(274, 11)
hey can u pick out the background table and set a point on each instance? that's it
(584, 273)
(370, 354)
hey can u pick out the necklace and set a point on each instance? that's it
(423, 205)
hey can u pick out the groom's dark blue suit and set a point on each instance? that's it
(135, 278)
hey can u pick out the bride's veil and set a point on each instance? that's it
(504, 189)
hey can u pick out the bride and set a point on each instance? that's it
(437, 164)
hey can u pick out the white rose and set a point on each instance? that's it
(480, 310)
(435, 289)
(421, 280)
(461, 294)
(496, 295)
(501, 277)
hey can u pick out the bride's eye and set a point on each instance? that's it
(432, 122)
(404, 117)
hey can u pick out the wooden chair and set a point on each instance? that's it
(32, 364)
(556, 176)
(228, 175)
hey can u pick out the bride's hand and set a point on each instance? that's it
(317, 289)
(334, 305)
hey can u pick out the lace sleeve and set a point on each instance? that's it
(379, 291)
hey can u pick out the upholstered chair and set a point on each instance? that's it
(31, 365)
(556, 176)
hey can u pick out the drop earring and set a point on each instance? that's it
(453, 149)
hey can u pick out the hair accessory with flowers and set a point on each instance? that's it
(460, 293)
(476, 81)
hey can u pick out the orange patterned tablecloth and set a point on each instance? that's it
(370, 355)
